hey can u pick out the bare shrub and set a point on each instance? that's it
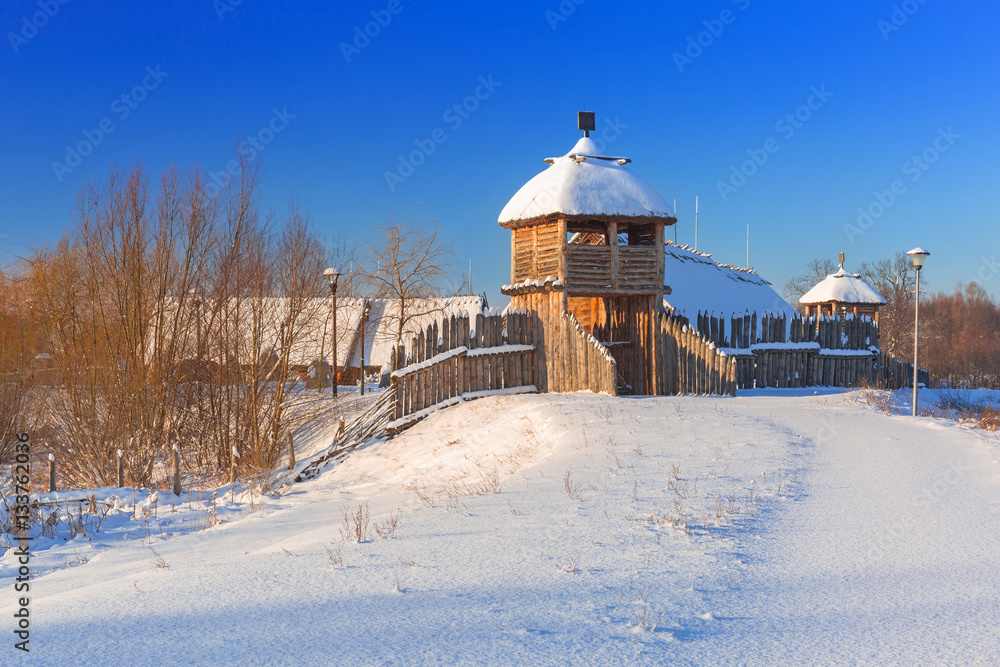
(882, 400)
(159, 562)
(336, 557)
(572, 490)
(570, 566)
(356, 524)
(989, 419)
(387, 528)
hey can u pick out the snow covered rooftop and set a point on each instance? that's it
(842, 287)
(699, 283)
(586, 182)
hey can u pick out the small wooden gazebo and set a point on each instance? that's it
(592, 232)
(841, 293)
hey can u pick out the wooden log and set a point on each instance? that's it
(422, 401)
(581, 347)
(566, 356)
(527, 360)
(513, 333)
(680, 359)
(445, 335)
(177, 471)
(698, 372)
(734, 387)
(713, 367)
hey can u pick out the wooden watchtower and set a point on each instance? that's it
(587, 238)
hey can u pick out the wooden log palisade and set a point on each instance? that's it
(463, 357)
(777, 351)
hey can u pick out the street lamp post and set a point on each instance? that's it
(333, 276)
(917, 256)
(364, 318)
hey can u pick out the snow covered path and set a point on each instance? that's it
(891, 557)
(775, 529)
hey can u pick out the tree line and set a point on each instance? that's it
(168, 316)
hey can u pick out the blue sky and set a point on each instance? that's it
(693, 90)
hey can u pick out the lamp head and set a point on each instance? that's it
(917, 256)
(332, 275)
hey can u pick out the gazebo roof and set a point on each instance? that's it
(586, 183)
(842, 287)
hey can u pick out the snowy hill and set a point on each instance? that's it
(774, 528)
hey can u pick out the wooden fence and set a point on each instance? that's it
(775, 351)
(965, 381)
(580, 361)
(456, 358)
(567, 358)
(687, 362)
(748, 330)
(894, 374)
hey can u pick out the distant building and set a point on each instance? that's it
(313, 340)
(841, 293)
(699, 284)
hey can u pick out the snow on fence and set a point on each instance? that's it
(456, 358)
(687, 362)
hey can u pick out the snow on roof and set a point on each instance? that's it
(699, 283)
(381, 328)
(585, 181)
(421, 313)
(842, 287)
(312, 335)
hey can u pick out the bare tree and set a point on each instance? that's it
(173, 318)
(894, 280)
(816, 270)
(112, 298)
(17, 351)
(960, 337)
(409, 265)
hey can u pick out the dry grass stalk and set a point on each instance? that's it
(356, 524)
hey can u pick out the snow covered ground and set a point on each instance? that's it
(779, 527)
